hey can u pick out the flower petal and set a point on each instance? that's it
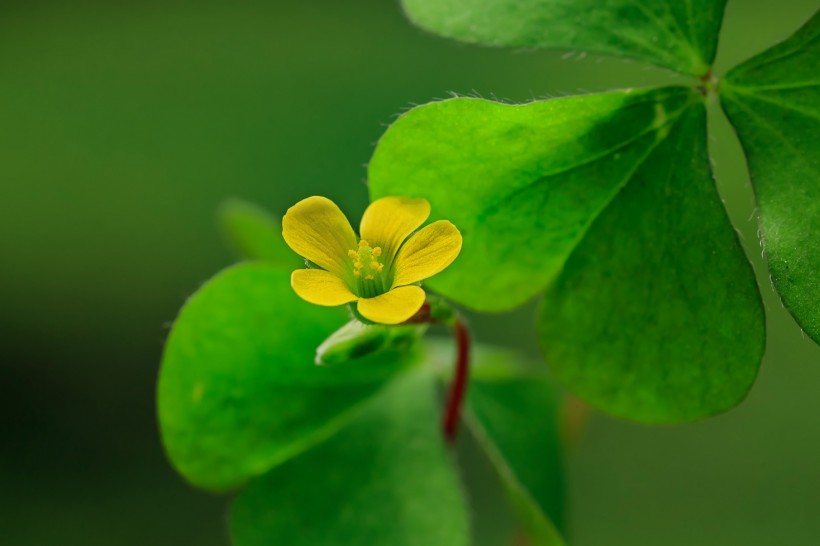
(394, 306)
(321, 287)
(316, 229)
(388, 221)
(426, 253)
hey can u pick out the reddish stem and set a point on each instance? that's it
(458, 388)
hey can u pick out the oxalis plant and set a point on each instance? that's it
(306, 384)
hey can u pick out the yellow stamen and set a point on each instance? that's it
(366, 257)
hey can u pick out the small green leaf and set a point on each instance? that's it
(387, 480)
(255, 234)
(656, 316)
(681, 35)
(522, 183)
(773, 100)
(516, 422)
(238, 389)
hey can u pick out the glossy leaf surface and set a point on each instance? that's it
(773, 100)
(521, 182)
(681, 35)
(386, 479)
(239, 391)
(656, 316)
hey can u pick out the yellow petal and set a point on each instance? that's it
(316, 229)
(426, 253)
(388, 221)
(394, 306)
(321, 287)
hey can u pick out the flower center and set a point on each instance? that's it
(367, 269)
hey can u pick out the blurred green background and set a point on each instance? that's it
(122, 128)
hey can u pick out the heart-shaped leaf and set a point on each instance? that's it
(656, 316)
(773, 100)
(239, 391)
(522, 183)
(386, 479)
(681, 35)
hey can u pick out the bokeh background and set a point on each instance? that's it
(123, 125)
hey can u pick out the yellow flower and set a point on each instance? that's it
(380, 270)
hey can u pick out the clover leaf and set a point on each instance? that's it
(521, 182)
(385, 479)
(238, 390)
(604, 205)
(656, 315)
(681, 35)
(773, 100)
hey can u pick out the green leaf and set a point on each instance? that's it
(656, 316)
(773, 100)
(512, 415)
(515, 420)
(385, 480)
(255, 234)
(681, 35)
(238, 389)
(492, 521)
(522, 183)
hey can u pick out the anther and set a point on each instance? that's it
(377, 251)
(358, 265)
(352, 253)
(363, 243)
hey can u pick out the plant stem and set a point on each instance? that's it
(458, 388)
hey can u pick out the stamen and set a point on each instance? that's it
(370, 283)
